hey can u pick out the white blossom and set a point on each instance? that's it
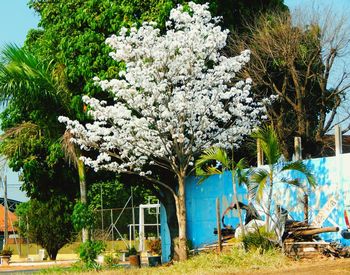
(177, 96)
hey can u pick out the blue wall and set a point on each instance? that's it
(332, 177)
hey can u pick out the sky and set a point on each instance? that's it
(16, 19)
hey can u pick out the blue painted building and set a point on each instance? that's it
(333, 181)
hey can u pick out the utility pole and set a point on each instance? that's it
(6, 233)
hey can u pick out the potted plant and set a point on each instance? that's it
(5, 256)
(155, 250)
(134, 257)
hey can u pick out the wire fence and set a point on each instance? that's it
(123, 224)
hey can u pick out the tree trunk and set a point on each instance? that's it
(181, 217)
(268, 214)
(83, 197)
(235, 196)
(53, 254)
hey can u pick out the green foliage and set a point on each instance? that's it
(114, 194)
(259, 239)
(218, 157)
(89, 250)
(111, 260)
(261, 177)
(269, 143)
(22, 211)
(82, 217)
(74, 31)
(47, 223)
(239, 175)
(36, 94)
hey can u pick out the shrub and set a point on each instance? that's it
(111, 260)
(89, 250)
(259, 239)
(82, 216)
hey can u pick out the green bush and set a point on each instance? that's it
(82, 217)
(111, 260)
(259, 239)
(89, 250)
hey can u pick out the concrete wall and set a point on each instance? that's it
(333, 179)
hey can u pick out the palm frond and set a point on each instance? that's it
(259, 179)
(71, 152)
(214, 154)
(302, 168)
(242, 174)
(16, 138)
(269, 143)
(22, 75)
(241, 164)
(294, 182)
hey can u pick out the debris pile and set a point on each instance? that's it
(301, 231)
(336, 250)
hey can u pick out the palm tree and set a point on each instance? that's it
(263, 178)
(28, 82)
(239, 175)
(73, 154)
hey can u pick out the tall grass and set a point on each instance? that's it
(235, 261)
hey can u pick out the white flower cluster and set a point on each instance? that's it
(176, 97)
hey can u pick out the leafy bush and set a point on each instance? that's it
(259, 239)
(111, 260)
(82, 217)
(89, 250)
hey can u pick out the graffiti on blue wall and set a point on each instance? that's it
(333, 183)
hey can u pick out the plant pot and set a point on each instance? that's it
(5, 260)
(135, 261)
(154, 260)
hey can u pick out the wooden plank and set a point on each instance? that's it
(218, 223)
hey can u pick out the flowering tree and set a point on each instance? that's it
(176, 97)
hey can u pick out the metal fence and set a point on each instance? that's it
(124, 224)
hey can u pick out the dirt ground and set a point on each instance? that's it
(323, 266)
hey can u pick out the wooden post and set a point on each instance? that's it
(306, 206)
(297, 148)
(298, 156)
(218, 222)
(6, 234)
(260, 153)
(338, 141)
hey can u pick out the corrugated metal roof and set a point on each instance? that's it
(11, 220)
